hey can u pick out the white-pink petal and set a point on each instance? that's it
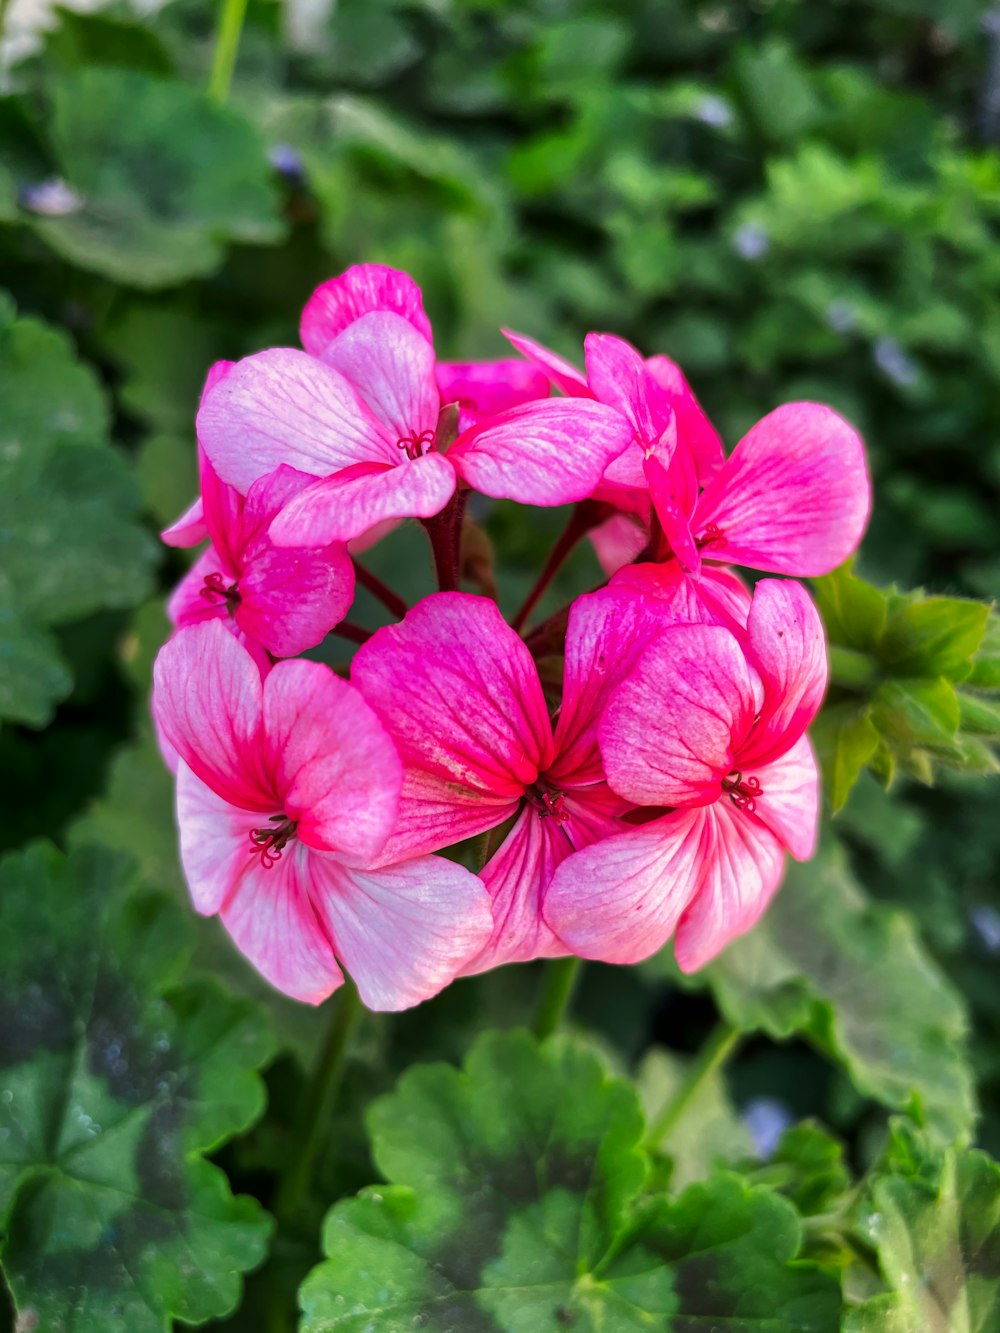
(215, 841)
(391, 366)
(358, 291)
(560, 372)
(291, 599)
(789, 805)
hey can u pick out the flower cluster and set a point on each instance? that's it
(660, 795)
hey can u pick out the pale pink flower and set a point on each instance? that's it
(712, 726)
(458, 691)
(287, 790)
(359, 410)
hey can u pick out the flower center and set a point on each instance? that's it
(548, 804)
(215, 586)
(712, 536)
(742, 793)
(269, 843)
(416, 445)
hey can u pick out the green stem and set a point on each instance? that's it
(317, 1103)
(851, 669)
(227, 41)
(721, 1043)
(558, 984)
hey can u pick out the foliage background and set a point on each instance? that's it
(793, 200)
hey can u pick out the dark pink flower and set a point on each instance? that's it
(712, 726)
(287, 790)
(459, 693)
(359, 410)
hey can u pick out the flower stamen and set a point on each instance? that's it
(416, 445)
(215, 587)
(268, 843)
(712, 536)
(742, 793)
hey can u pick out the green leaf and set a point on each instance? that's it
(32, 675)
(845, 739)
(812, 1163)
(515, 1205)
(936, 636)
(186, 176)
(854, 978)
(100, 39)
(708, 1133)
(853, 611)
(113, 1084)
(916, 712)
(985, 673)
(933, 1219)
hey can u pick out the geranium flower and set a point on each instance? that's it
(287, 790)
(712, 725)
(360, 410)
(459, 693)
(285, 601)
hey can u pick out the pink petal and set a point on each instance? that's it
(405, 931)
(488, 387)
(336, 771)
(672, 728)
(189, 529)
(291, 599)
(619, 540)
(435, 812)
(391, 366)
(714, 598)
(617, 375)
(606, 634)
(789, 805)
(561, 373)
(186, 605)
(207, 700)
(725, 596)
(788, 649)
(695, 433)
(741, 873)
(794, 497)
(352, 502)
(619, 900)
(361, 289)
(214, 840)
(671, 512)
(223, 510)
(265, 500)
(283, 406)
(516, 876)
(624, 482)
(546, 453)
(459, 693)
(273, 923)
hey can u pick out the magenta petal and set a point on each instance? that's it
(695, 433)
(789, 805)
(189, 529)
(724, 596)
(435, 813)
(336, 771)
(618, 541)
(788, 649)
(360, 290)
(716, 597)
(672, 515)
(459, 693)
(272, 922)
(672, 729)
(561, 373)
(291, 599)
(488, 387)
(186, 605)
(207, 701)
(405, 931)
(265, 500)
(214, 840)
(544, 453)
(620, 899)
(391, 366)
(223, 509)
(353, 501)
(617, 375)
(741, 873)
(283, 406)
(607, 632)
(794, 497)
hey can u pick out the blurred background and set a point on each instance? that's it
(793, 200)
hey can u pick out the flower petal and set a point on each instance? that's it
(788, 649)
(672, 728)
(291, 599)
(672, 513)
(716, 597)
(741, 873)
(789, 805)
(695, 433)
(488, 387)
(405, 931)
(265, 500)
(189, 529)
(391, 366)
(283, 406)
(186, 605)
(619, 900)
(459, 693)
(565, 377)
(794, 496)
(214, 841)
(358, 291)
(273, 923)
(435, 813)
(334, 767)
(546, 453)
(619, 540)
(617, 375)
(207, 700)
(351, 503)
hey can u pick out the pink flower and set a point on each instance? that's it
(360, 409)
(713, 726)
(287, 790)
(459, 693)
(792, 498)
(285, 601)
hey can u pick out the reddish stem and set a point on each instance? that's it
(445, 533)
(586, 515)
(353, 633)
(392, 601)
